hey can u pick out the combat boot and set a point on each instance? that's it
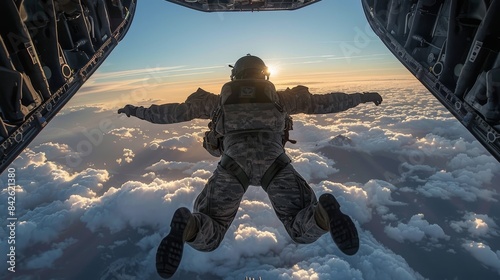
(342, 229)
(169, 254)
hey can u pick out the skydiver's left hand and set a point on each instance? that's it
(371, 97)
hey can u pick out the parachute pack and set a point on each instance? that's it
(246, 105)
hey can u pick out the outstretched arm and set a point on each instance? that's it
(300, 100)
(198, 105)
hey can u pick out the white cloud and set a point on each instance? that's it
(170, 165)
(54, 150)
(466, 175)
(253, 241)
(306, 130)
(45, 224)
(477, 225)
(92, 109)
(204, 174)
(414, 172)
(311, 165)
(465, 184)
(359, 200)
(437, 145)
(181, 143)
(126, 132)
(47, 258)
(154, 146)
(43, 181)
(44, 260)
(202, 169)
(416, 230)
(149, 175)
(484, 254)
(128, 155)
(49, 199)
(379, 139)
(379, 194)
(136, 204)
(418, 123)
(378, 262)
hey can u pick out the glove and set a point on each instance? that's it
(128, 110)
(371, 97)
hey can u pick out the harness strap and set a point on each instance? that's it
(233, 167)
(280, 163)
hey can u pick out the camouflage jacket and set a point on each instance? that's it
(201, 104)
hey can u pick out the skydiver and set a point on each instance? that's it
(248, 131)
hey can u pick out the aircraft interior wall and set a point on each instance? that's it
(452, 47)
(47, 50)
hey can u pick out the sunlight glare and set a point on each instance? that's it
(273, 69)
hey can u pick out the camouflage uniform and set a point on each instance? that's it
(292, 198)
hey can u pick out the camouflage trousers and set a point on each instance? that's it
(292, 198)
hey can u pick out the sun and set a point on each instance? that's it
(273, 70)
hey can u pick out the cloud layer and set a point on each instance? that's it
(420, 165)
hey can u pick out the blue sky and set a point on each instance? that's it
(184, 36)
(177, 49)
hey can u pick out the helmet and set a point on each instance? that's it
(249, 67)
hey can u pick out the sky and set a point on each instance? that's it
(169, 46)
(96, 190)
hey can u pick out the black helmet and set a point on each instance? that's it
(249, 67)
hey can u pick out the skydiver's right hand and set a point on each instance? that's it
(128, 110)
(371, 97)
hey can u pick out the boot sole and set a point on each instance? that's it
(169, 253)
(342, 228)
